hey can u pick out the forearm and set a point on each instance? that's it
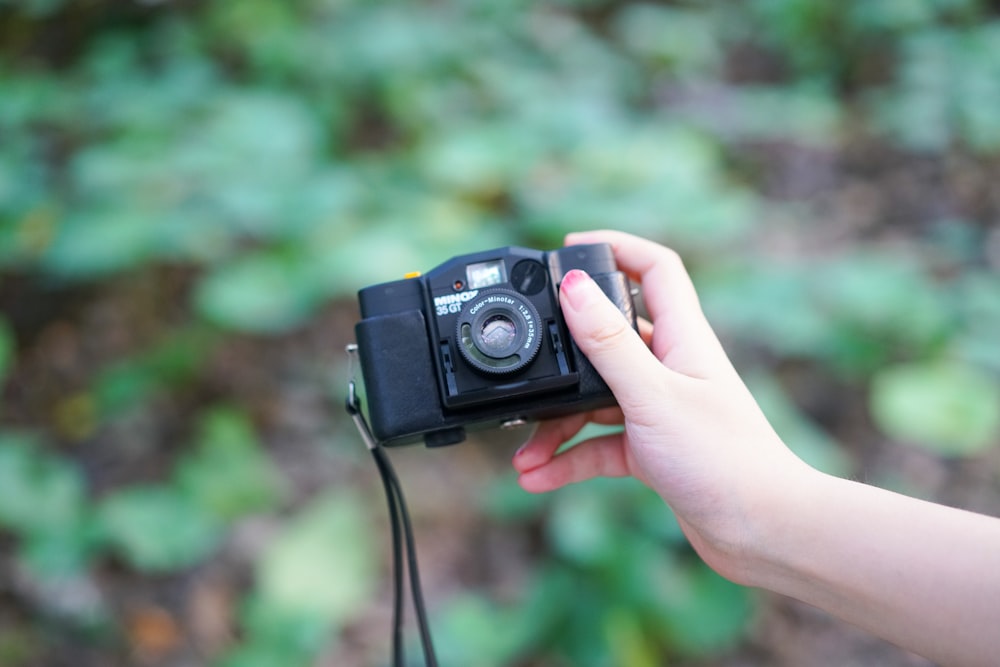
(923, 576)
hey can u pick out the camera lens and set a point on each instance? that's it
(498, 332)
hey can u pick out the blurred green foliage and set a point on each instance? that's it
(947, 407)
(620, 588)
(42, 500)
(313, 580)
(277, 155)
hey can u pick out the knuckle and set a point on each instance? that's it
(610, 333)
(671, 257)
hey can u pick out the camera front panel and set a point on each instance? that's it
(495, 327)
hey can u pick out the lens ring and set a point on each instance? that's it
(499, 332)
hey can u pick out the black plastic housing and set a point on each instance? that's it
(417, 382)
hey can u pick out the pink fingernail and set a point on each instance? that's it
(571, 284)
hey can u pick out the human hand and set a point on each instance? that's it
(919, 574)
(692, 430)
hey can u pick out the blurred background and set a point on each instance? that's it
(192, 192)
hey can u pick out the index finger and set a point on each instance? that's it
(659, 269)
(682, 337)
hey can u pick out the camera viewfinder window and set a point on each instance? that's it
(485, 274)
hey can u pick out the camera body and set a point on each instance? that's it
(480, 342)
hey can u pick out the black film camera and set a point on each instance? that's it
(480, 342)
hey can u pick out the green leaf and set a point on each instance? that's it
(39, 493)
(260, 293)
(582, 527)
(476, 632)
(38, 8)
(978, 297)
(854, 312)
(627, 179)
(173, 360)
(259, 654)
(946, 407)
(686, 40)
(96, 243)
(324, 565)
(63, 552)
(947, 80)
(710, 614)
(228, 474)
(244, 175)
(42, 498)
(277, 636)
(158, 529)
(887, 294)
(770, 303)
(480, 159)
(629, 643)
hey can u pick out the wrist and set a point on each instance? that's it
(777, 537)
(750, 543)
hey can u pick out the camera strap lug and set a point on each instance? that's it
(353, 404)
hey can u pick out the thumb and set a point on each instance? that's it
(607, 339)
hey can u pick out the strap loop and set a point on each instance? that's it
(353, 404)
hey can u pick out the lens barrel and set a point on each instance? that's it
(499, 332)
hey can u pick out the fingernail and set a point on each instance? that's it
(574, 287)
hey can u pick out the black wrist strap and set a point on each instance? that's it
(402, 534)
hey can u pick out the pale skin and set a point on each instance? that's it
(923, 576)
